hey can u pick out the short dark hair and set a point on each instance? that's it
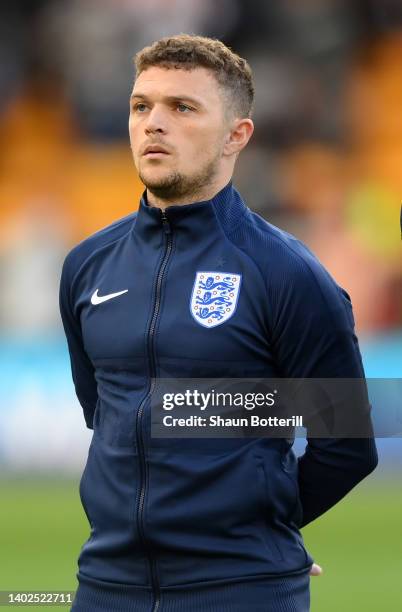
(187, 52)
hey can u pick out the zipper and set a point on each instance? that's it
(140, 413)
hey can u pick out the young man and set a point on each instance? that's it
(199, 525)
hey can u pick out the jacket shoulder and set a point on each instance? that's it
(88, 247)
(278, 252)
(290, 270)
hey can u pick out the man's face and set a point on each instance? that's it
(177, 130)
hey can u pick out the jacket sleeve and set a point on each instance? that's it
(83, 372)
(313, 337)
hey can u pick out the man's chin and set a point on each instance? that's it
(159, 182)
(156, 184)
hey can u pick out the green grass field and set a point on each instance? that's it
(359, 544)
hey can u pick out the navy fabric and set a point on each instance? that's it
(290, 594)
(170, 513)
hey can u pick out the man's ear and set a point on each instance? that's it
(240, 133)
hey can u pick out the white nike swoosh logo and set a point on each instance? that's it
(98, 299)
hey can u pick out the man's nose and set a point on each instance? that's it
(156, 121)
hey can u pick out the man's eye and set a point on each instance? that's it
(139, 107)
(183, 108)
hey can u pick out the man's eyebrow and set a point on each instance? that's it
(176, 98)
(138, 95)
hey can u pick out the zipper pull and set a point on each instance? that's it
(165, 222)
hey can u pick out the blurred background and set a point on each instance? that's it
(325, 163)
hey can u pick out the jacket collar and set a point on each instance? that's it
(223, 213)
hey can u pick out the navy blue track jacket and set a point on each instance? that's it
(168, 514)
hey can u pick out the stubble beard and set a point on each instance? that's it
(178, 187)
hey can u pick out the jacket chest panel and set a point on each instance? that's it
(114, 324)
(234, 294)
(127, 308)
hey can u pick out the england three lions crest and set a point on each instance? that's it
(214, 297)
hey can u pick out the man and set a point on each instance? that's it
(198, 525)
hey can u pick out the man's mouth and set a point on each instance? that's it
(155, 151)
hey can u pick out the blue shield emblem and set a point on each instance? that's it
(214, 297)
